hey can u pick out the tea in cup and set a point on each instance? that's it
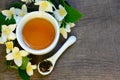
(38, 32)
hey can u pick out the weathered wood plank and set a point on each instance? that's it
(96, 54)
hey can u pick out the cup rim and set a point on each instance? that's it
(26, 18)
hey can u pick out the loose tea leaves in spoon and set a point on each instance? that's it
(45, 66)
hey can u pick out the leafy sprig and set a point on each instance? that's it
(73, 14)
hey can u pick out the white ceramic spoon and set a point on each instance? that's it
(52, 60)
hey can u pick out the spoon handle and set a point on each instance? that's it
(69, 42)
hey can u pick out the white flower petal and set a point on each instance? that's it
(23, 11)
(37, 0)
(17, 15)
(59, 23)
(20, 12)
(17, 11)
(29, 69)
(17, 19)
(17, 56)
(12, 10)
(9, 46)
(7, 13)
(18, 61)
(23, 53)
(4, 27)
(68, 28)
(61, 13)
(8, 50)
(57, 16)
(34, 66)
(29, 64)
(63, 32)
(25, 1)
(6, 30)
(7, 33)
(72, 25)
(15, 50)
(9, 56)
(3, 39)
(24, 8)
(30, 72)
(12, 36)
(12, 27)
(1, 42)
(44, 6)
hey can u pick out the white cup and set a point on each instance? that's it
(32, 15)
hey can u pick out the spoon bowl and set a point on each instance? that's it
(45, 67)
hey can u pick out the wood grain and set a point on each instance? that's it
(96, 54)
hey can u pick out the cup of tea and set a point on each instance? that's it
(38, 33)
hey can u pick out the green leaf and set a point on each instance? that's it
(10, 21)
(16, 5)
(73, 15)
(15, 42)
(64, 2)
(14, 67)
(23, 74)
(55, 3)
(2, 20)
(25, 61)
(8, 64)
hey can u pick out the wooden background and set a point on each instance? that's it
(95, 55)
